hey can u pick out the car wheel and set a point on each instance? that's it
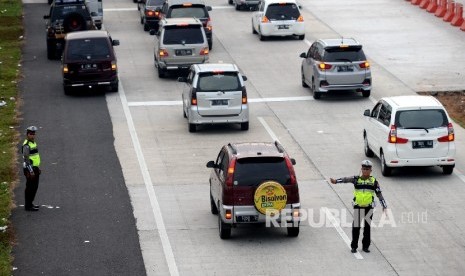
(366, 93)
(301, 37)
(141, 20)
(262, 37)
(192, 127)
(245, 126)
(213, 207)
(237, 6)
(114, 87)
(368, 151)
(67, 90)
(184, 112)
(292, 231)
(161, 72)
(230, 2)
(74, 22)
(50, 51)
(253, 29)
(304, 84)
(210, 45)
(146, 27)
(385, 170)
(224, 229)
(448, 169)
(316, 94)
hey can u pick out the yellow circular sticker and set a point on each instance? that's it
(271, 196)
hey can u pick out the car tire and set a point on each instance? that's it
(230, 2)
(161, 72)
(253, 29)
(210, 45)
(304, 84)
(68, 90)
(74, 22)
(448, 169)
(385, 170)
(316, 94)
(245, 126)
(262, 37)
(366, 93)
(141, 20)
(114, 87)
(223, 229)
(292, 231)
(184, 112)
(213, 207)
(192, 127)
(368, 151)
(236, 6)
(146, 27)
(301, 37)
(51, 50)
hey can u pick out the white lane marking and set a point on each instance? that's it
(257, 100)
(268, 129)
(341, 232)
(169, 256)
(459, 174)
(120, 9)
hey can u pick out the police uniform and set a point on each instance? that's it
(31, 169)
(363, 201)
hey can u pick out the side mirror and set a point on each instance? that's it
(303, 55)
(367, 113)
(46, 16)
(182, 79)
(115, 42)
(209, 8)
(211, 164)
(293, 161)
(300, 7)
(244, 78)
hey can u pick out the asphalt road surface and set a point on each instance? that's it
(163, 165)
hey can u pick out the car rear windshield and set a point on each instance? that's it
(88, 49)
(189, 11)
(151, 3)
(225, 81)
(59, 12)
(285, 11)
(191, 34)
(255, 170)
(338, 54)
(424, 118)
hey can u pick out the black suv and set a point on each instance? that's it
(189, 8)
(254, 182)
(89, 60)
(65, 16)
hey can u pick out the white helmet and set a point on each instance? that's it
(31, 129)
(367, 163)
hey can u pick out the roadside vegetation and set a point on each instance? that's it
(11, 32)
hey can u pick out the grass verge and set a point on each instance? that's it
(11, 31)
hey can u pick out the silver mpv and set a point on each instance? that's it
(215, 94)
(336, 64)
(181, 42)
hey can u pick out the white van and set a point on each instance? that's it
(410, 131)
(96, 12)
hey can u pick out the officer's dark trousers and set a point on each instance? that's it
(32, 184)
(364, 214)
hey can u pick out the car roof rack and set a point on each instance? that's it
(279, 146)
(233, 148)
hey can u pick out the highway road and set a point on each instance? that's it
(163, 165)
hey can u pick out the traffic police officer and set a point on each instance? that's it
(365, 187)
(31, 169)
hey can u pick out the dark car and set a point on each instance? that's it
(89, 60)
(190, 8)
(251, 182)
(65, 16)
(149, 16)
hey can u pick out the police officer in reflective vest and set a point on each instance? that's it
(366, 186)
(31, 169)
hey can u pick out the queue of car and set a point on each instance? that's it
(250, 180)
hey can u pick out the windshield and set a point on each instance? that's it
(424, 118)
(191, 34)
(286, 11)
(255, 170)
(151, 3)
(59, 12)
(226, 81)
(191, 11)
(88, 49)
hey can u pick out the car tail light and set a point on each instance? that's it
(450, 134)
(65, 69)
(163, 53)
(150, 13)
(228, 214)
(230, 175)
(364, 65)
(194, 96)
(114, 67)
(208, 24)
(300, 19)
(244, 95)
(187, 4)
(265, 19)
(393, 139)
(204, 51)
(324, 66)
(293, 178)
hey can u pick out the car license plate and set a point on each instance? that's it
(422, 144)
(246, 218)
(345, 68)
(88, 66)
(283, 27)
(219, 102)
(184, 52)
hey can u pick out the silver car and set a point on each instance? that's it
(215, 94)
(336, 64)
(181, 42)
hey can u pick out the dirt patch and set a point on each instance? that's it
(454, 102)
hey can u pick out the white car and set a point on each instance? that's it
(278, 18)
(410, 131)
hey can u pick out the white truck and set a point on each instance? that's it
(96, 12)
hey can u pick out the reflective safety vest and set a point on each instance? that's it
(364, 191)
(33, 153)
